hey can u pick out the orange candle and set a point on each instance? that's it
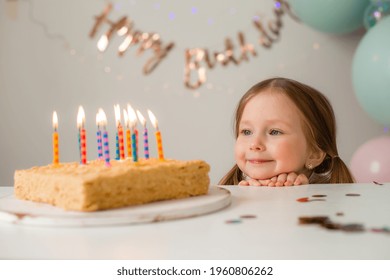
(128, 133)
(82, 135)
(56, 153)
(158, 135)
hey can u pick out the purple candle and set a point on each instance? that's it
(106, 146)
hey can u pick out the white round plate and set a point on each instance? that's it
(23, 212)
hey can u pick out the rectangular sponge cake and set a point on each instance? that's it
(94, 186)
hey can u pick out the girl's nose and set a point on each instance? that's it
(257, 147)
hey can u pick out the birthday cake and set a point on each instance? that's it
(94, 186)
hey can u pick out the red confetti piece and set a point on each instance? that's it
(248, 216)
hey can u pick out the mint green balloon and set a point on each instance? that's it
(371, 72)
(331, 16)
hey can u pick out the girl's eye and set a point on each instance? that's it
(275, 132)
(246, 132)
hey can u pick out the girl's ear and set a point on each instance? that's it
(315, 158)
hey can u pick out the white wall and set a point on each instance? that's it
(39, 74)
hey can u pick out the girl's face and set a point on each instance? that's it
(270, 138)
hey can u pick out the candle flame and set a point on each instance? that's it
(132, 115)
(141, 118)
(102, 117)
(126, 118)
(80, 117)
(153, 119)
(117, 110)
(55, 121)
(98, 119)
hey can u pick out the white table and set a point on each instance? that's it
(274, 234)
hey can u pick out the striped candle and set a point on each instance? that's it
(99, 137)
(120, 148)
(106, 146)
(128, 142)
(128, 133)
(134, 135)
(83, 146)
(146, 140)
(146, 143)
(136, 140)
(133, 145)
(56, 157)
(159, 145)
(158, 135)
(82, 134)
(121, 142)
(117, 155)
(99, 144)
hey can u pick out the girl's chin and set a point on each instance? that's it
(261, 176)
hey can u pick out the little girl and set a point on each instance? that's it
(285, 135)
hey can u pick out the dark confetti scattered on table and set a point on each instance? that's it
(319, 195)
(326, 222)
(352, 194)
(377, 183)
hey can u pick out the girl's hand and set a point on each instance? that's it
(281, 180)
(254, 182)
(290, 179)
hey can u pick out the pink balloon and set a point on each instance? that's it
(371, 161)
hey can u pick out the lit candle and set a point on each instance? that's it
(134, 136)
(99, 136)
(82, 135)
(106, 146)
(158, 135)
(146, 140)
(128, 133)
(56, 153)
(120, 140)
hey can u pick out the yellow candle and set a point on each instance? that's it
(56, 153)
(154, 121)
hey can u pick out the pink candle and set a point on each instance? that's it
(99, 136)
(82, 135)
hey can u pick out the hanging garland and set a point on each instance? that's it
(196, 59)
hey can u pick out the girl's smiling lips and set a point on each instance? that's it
(258, 161)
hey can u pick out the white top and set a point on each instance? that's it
(274, 233)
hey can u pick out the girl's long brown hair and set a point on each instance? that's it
(319, 124)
